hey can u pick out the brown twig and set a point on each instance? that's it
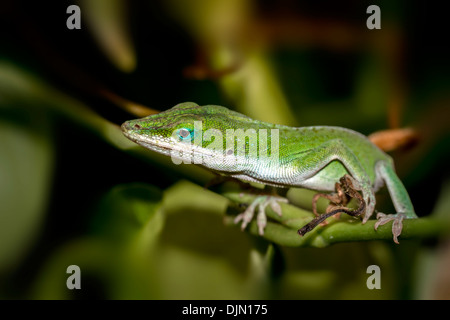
(345, 190)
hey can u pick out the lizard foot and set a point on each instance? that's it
(261, 202)
(397, 225)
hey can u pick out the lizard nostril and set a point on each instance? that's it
(137, 126)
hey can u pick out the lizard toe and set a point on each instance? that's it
(397, 224)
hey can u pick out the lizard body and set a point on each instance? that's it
(235, 145)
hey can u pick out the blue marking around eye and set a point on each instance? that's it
(185, 134)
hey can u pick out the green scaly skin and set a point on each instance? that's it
(233, 144)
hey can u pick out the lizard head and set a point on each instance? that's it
(187, 128)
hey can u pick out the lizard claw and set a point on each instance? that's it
(261, 202)
(397, 224)
(370, 202)
(273, 201)
(261, 220)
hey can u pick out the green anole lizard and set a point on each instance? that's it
(232, 144)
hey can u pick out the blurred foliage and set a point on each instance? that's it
(73, 190)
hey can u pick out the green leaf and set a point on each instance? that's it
(108, 22)
(117, 260)
(26, 159)
(126, 209)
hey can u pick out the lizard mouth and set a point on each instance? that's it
(163, 145)
(160, 145)
(147, 142)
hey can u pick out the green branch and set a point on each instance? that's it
(283, 230)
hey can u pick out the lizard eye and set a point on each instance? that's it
(185, 134)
